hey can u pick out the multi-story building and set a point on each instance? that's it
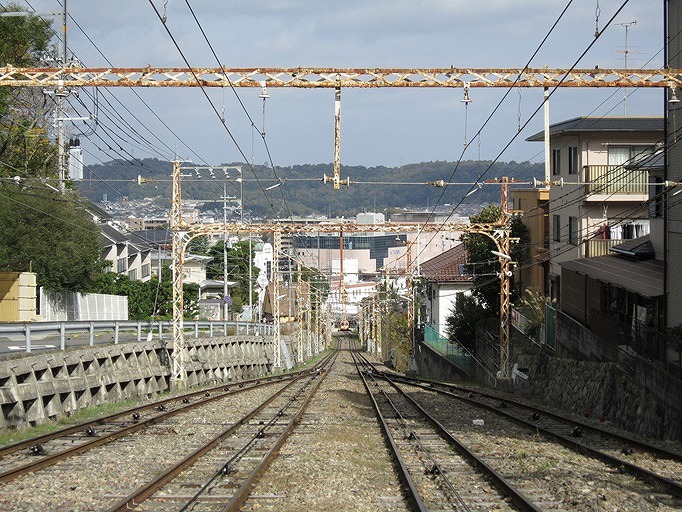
(598, 203)
(534, 205)
(126, 256)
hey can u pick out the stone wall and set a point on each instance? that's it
(599, 390)
(39, 388)
(596, 380)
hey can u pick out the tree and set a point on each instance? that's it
(25, 149)
(151, 299)
(462, 321)
(40, 229)
(237, 270)
(484, 266)
(199, 245)
(45, 232)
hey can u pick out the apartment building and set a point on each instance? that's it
(600, 197)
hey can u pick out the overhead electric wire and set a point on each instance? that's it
(132, 89)
(215, 110)
(241, 103)
(508, 91)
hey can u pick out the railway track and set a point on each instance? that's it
(644, 460)
(313, 442)
(41, 452)
(219, 475)
(657, 479)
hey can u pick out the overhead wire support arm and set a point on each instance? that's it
(334, 78)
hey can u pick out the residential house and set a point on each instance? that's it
(126, 256)
(597, 202)
(446, 277)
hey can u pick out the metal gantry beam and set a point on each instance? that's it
(334, 78)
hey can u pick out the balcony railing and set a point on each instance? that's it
(613, 179)
(599, 247)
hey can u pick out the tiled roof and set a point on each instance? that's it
(448, 266)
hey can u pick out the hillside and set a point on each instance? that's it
(302, 191)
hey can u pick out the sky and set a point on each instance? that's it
(388, 127)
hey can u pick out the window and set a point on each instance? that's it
(620, 155)
(572, 160)
(121, 265)
(146, 270)
(132, 274)
(573, 232)
(556, 162)
(556, 228)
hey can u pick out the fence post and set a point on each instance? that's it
(116, 332)
(210, 329)
(62, 336)
(139, 330)
(196, 328)
(27, 331)
(92, 334)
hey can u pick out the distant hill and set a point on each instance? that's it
(303, 192)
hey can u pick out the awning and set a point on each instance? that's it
(642, 277)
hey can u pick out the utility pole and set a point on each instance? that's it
(180, 356)
(61, 94)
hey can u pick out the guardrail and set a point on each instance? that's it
(151, 329)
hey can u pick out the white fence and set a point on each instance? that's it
(73, 306)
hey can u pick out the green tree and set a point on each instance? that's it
(484, 266)
(199, 245)
(237, 264)
(484, 302)
(40, 229)
(462, 321)
(25, 149)
(45, 232)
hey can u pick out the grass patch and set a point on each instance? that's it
(11, 436)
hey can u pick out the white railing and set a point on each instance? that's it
(148, 330)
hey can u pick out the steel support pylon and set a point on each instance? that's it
(277, 349)
(179, 355)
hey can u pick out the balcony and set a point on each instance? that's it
(613, 180)
(599, 247)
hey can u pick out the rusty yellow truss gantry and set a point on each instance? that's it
(320, 78)
(315, 78)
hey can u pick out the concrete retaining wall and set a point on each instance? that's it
(433, 365)
(44, 387)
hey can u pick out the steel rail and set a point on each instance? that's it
(414, 497)
(674, 487)
(80, 427)
(517, 497)
(148, 490)
(242, 493)
(54, 458)
(587, 427)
